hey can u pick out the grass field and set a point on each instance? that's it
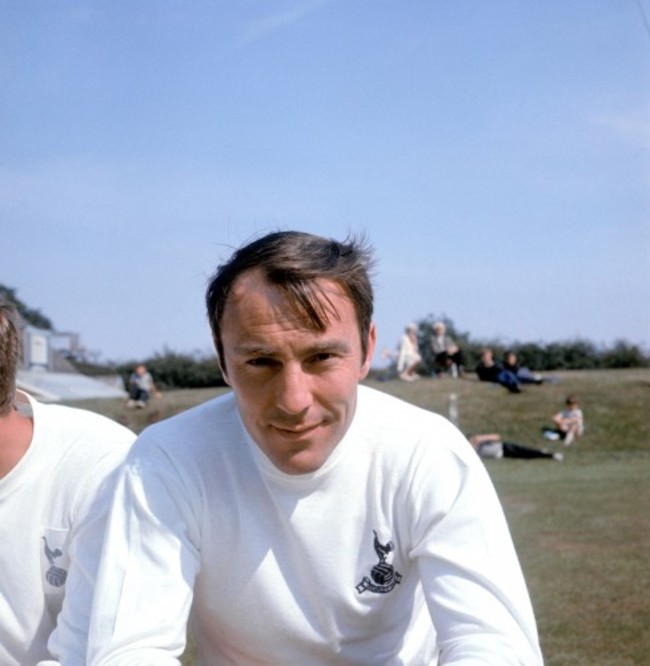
(581, 527)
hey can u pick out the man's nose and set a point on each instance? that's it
(294, 389)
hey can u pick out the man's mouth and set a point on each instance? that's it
(295, 432)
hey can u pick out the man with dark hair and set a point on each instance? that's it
(55, 472)
(301, 518)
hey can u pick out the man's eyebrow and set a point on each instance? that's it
(320, 347)
(336, 346)
(253, 350)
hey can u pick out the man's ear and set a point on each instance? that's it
(372, 341)
(222, 367)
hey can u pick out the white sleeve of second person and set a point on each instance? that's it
(471, 576)
(146, 577)
(68, 641)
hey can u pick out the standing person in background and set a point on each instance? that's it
(141, 387)
(302, 518)
(408, 354)
(447, 355)
(56, 468)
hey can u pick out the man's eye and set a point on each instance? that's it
(260, 362)
(323, 356)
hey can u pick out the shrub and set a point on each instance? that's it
(577, 354)
(172, 370)
(624, 355)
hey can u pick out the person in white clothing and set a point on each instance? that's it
(302, 518)
(56, 467)
(408, 354)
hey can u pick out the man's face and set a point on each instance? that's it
(296, 388)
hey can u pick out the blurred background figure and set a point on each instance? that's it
(491, 445)
(524, 375)
(408, 354)
(141, 387)
(447, 356)
(569, 423)
(488, 370)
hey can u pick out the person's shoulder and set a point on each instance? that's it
(210, 422)
(407, 435)
(372, 398)
(77, 446)
(384, 412)
(198, 443)
(80, 424)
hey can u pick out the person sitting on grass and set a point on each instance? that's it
(569, 423)
(523, 374)
(488, 370)
(141, 386)
(446, 354)
(408, 355)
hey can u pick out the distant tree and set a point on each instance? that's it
(32, 317)
(581, 354)
(531, 355)
(554, 357)
(624, 355)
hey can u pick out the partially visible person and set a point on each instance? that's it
(302, 518)
(492, 445)
(523, 374)
(56, 472)
(141, 387)
(447, 355)
(408, 354)
(569, 423)
(489, 370)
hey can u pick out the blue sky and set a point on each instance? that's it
(497, 154)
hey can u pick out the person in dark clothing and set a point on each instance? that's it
(488, 370)
(446, 354)
(524, 375)
(492, 445)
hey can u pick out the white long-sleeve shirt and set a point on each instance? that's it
(394, 551)
(52, 510)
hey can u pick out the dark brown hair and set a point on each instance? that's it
(9, 355)
(294, 261)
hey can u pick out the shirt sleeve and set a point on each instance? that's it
(68, 640)
(471, 577)
(87, 515)
(147, 572)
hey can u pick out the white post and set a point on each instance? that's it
(453, 408)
